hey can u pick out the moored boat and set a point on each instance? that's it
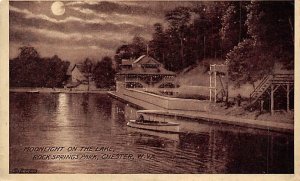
(33, 91)
(163, 126)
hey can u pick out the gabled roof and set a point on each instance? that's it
(79, 66)
(146, 60)
(159, 70)
(71, 68)
(139, 59)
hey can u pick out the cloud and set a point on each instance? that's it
(100, 18)
(124, 22)
(55, 34)
(114, 7)
(30, 35)
(88, 28)
(30, 15)
(87, 11)
(81, 2)
(110, 31)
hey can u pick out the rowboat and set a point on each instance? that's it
(160, 126)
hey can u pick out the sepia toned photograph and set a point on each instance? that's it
(151, 87)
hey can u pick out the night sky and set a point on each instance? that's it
(86, 29)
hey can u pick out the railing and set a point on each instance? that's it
(283, 78)
(132, 79)
(265, 80)
(272, 79)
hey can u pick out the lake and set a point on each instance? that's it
(93, 136)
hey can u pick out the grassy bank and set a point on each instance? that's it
(194, 82)
(239, 111)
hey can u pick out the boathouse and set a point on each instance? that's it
(147, 74)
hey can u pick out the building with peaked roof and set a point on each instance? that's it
(144, 73)
(78, 79)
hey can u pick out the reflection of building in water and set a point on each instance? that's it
(117, 110)
(144, 73)
(113, 109)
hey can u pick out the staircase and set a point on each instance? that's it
(276, 79)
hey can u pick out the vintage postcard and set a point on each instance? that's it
(149, 87)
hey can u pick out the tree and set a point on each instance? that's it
(246, 64)
(233, 28)
(87, 70)
(158, 43)
(27, 53)
(213, 13)
(178, 20)
(133, 50)
(138, 46)
(31, 70)
(56, 70)
(273, 30)
(104, 74)
(270, 41)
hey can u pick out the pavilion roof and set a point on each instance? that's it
(141, 71)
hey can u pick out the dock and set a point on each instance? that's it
(215, 118)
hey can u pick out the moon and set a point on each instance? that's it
(58, 8)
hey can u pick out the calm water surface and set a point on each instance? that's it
(76, 120)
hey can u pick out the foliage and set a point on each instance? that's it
(270, 41)
(158, 43)
(28, 53)
(30, 70)
(246, 64)
(233, 28)
(252, 36)
(87, 67)
(103, 73)
(133, 50)
(273, 30)
(190, 35)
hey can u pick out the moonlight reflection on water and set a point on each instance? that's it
(91, 120)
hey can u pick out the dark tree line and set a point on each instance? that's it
(133, 50)
(104, 74)
(31, 70)
(101, 72)
(251, 35)
(269, 40)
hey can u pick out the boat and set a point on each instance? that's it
(154, 125)
(33, 91)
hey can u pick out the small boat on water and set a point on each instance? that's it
(33, 91)
(161, 126)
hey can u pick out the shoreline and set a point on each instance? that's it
(56, 90)
(210, 116)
